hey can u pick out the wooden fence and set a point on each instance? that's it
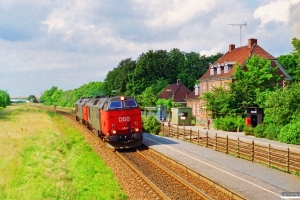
(284, 160)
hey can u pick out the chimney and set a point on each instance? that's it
(231, 47)
(178, 81)
(251, 42)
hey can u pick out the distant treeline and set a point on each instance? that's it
(149, 74)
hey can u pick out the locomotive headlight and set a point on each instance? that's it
(122, 98)
(136, 129)
(114, 131)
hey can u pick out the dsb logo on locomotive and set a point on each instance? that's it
(124, 119)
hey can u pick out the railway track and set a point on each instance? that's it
(167, 183)
(146, 174)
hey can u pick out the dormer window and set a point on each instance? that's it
(225, 68)
(211, 70)
(197, 90)
(218, 69)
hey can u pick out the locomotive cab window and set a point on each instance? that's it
(115, 104)
(130, 103)
(95, 102)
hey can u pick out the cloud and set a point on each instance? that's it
(72, 42)
(172, 13)
(278, 11)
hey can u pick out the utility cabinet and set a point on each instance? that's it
(181, 116)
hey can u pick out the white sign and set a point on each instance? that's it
(253, 111)
(183, 118)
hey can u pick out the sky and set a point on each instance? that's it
(73, 42)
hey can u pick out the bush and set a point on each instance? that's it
(272, 131)
(259, 131)
(249, 130)
(229, 123)
(290, 133)
(151, 124)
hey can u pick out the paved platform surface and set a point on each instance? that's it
(246, 179)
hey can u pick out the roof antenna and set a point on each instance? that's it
(240, 25)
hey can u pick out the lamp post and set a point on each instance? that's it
(169, 90)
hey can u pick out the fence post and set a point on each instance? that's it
(169, 131)
(227, 144)
(288, 160)
(238, 147)
(198, 137)
(216, 141)
(163, 128)
(206, 138)
(269, 148)
(252, 153)
(183, 133)
(190, 135)
(177, 132)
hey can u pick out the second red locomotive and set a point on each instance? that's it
(117, 120)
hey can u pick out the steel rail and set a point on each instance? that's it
(152, 185)
(178, 178)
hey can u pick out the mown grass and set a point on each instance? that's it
(43, 157)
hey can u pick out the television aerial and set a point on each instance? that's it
(240, 25)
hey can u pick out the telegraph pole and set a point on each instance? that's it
(240, 25)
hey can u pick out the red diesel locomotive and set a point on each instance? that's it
(117, 120)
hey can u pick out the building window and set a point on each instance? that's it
(226, 69)
(219, 70)
(211, 71)
(204, 87)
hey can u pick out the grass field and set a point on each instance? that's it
(42, 157)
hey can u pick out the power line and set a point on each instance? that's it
(240, 25)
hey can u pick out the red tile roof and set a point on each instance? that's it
(238, 55)
(179, 91)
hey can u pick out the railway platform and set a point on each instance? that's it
(241, 135)
(246, 179)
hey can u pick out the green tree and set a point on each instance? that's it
(151, 125)
(150, 67)
(67, 99)
(219, 102)
(4, 99)
(291, 62)
(147, 98)
(254, 78)
(159, 86)
(32, 98)
(282, 106)
(117, 78)
(56, 96)
(194, 67)
(46, 97)
(166, 102)
(91, 89)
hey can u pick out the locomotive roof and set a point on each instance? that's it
(82, 101)
(100, 101)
